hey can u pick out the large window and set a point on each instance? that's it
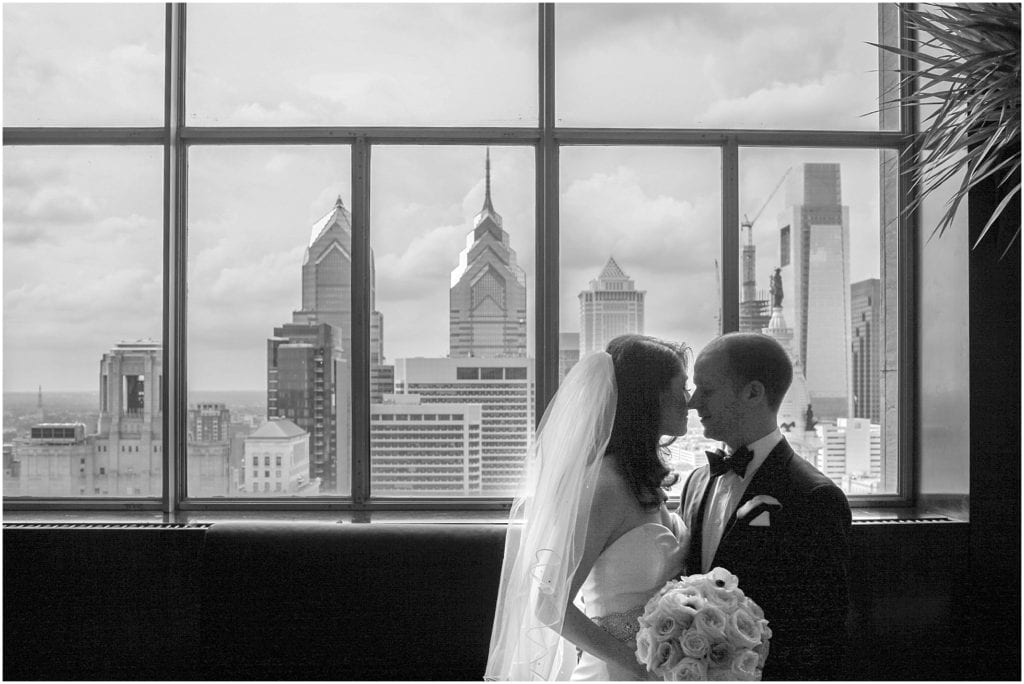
(353, 269)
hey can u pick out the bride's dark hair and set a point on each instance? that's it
(644, 369)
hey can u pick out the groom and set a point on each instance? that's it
(765, 514)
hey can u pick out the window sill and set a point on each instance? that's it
(943, 510)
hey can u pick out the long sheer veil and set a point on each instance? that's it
(548, 526)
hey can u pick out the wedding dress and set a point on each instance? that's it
(623, 578)
(546, 535)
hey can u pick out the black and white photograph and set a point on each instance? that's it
(463, 341)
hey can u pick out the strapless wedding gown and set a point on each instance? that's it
(624, 577)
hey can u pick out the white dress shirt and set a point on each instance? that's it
(727, 490)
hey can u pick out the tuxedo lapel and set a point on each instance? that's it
(767, 480)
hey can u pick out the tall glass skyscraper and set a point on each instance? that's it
(815, 260)
(487, 312)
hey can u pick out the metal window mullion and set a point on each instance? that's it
(175, 252)
(546, 317)
(908, 286)
(374, 135)
(730, 267)
(711, 137)
(69, 135)
(359, 355)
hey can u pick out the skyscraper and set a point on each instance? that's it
(327, 281)
(308, 382)
(814, 256)
(309, 360)
(487, 311)
(865, 305)
(611, 307)
(129, 459)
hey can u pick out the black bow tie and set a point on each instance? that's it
(737, 462)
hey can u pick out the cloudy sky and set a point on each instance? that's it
(82, 228)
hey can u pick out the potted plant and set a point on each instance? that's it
(964, 75)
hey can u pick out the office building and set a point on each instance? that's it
(129, 442)
(815, 262)
(276, 461)
(309, 383)
(487, 299)
(611, 307)
(504, 391)
(424, 449)
(866, 349)
(851, 454)
(209, 465)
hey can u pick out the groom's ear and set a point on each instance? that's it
(754, 390)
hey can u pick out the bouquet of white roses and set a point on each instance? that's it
(702, 627)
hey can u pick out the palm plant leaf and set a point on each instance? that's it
(967, 75)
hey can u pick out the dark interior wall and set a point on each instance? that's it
(319, 601)
(993, 583)
(100, 602)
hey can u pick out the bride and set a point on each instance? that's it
(590, 539)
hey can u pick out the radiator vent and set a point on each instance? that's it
(905, 521)
(104, 526)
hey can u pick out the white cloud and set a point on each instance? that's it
(837, 97)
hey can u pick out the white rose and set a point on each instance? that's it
(688, 670)
(744, 665)
(743, 630)
(682, 607)
(695, 644)
(643, 648)
(667, 655)
(667, 627)
(720, 655)
(711, 621)
(754, 609)
(726, 599)
(762, 652)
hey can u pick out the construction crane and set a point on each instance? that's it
(749, 286)
(749, 223)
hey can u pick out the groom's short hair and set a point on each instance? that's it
(753, 356)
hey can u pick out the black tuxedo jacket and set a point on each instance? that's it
(795, 568)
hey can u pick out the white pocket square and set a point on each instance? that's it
(759, 505)
(761, 521)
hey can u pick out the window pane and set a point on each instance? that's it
(83, 362)
(639, 249)
(83, 64)
(813, 276)
(743, 65)
(362, 64)
(452, 404)
(269, 320)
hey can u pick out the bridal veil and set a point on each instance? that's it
(548, 526)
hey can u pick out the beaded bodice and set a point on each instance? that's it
(627, 574)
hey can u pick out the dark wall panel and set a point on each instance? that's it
(100, 603)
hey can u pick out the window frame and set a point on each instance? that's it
(547, 139)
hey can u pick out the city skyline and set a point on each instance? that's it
(249, 207)
(400, 342)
